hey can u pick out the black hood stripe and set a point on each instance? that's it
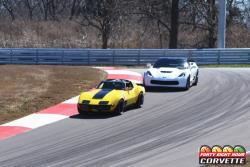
(101, 93)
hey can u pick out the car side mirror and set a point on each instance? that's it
(149, 65)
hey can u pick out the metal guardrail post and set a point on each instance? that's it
(249, 57)
(218, 57)
(189, 54)
(139, 57)
(37, 57)
(113, 56)
(165, 53)
(62, 56)
(11, 56)
(88, 52)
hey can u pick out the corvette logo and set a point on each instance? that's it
(222, 155)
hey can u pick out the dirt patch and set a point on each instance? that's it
(25, 89)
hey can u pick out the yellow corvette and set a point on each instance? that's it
(112, 95)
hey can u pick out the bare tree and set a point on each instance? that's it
(166, 14)
(174, 24)
(202, 15)
(74, 8)
(30, 5)
(44, 7)
(101, 15)
(238, 12)
(211, 23)
(8, 5)
(154, 13)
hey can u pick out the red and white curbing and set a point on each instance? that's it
(122, 73)
(59, 111)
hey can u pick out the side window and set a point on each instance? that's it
(100, 85)
(129, 85)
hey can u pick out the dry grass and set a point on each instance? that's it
(25, 89)
(42, 34)
(130, 34)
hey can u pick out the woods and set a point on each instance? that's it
(121, 23)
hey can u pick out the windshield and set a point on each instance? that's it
(176, 63)
(112, 85)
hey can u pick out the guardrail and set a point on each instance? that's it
(119, 56)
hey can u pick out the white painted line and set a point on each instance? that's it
(73, 100)
(125, 72)
(36, 120)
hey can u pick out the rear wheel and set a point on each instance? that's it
(140, 100)
(120, 107)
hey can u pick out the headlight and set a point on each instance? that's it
(182, 74)
(85, 102)
(103, 102)
(148, 73)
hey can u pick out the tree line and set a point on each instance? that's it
(167, 18)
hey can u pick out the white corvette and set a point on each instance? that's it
(172, 72)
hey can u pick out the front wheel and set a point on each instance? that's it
(196, 80)
(79, 110)
(187, 84)
(120, 107)
(140, 100)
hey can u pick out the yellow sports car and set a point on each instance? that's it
(112, 95)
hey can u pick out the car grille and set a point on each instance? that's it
(166, 71)
(164, 82)
(94, 107)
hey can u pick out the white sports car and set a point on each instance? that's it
(172, 72)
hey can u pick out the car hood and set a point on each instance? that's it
(166, 72)
(100, 94)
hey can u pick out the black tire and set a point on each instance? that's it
(120, 107)
(187, 84)
(79, 111)
(83, 113)
(144, 85)
(196, 79)
(140, 100)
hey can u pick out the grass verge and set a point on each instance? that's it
(25, 89)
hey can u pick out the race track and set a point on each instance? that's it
(167, 131)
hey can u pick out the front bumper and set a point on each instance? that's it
(165, 82)
(94, 108)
